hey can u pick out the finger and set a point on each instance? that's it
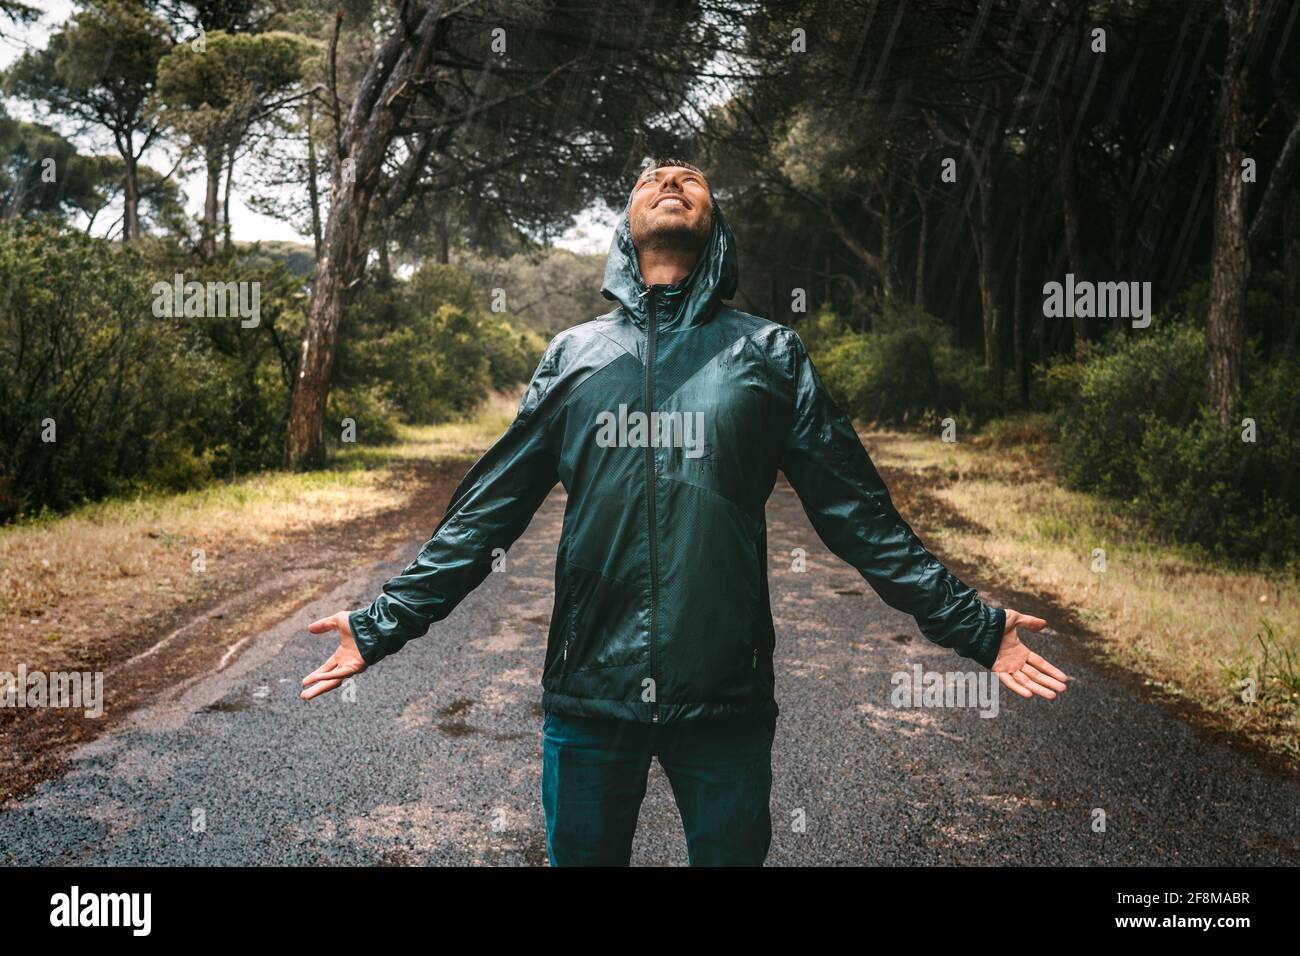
(1033, 686)
(1030, 623)
(337, 672)
(1045, 679)
(1012, 685)
(325, 670)
(324, 624)
(1047, 668)
(319, 689)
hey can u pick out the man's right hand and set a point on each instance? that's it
(343, 663)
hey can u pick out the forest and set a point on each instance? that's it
(1073, 221)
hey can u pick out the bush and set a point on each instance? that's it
(136, 401)
(1202, 484)
(440, 366)
(372, 418)
(1133, 427)
(427, 348)
(1105, 399)
(512, 356)
(905, 370)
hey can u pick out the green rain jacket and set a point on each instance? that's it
(661, 598)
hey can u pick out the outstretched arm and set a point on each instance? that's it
(851, 510)
(488, 511)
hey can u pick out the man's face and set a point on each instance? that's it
(671, 209)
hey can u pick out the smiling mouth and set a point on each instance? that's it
(673, 200)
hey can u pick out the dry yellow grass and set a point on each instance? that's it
(1186, 626)
(138, 553)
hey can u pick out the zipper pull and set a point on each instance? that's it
(566, 648)
(755, 658)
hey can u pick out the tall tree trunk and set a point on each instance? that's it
(989, 315)
(1070, 211)
(1225, 332)
(382, 99)
(1291, 269)
(336, 272)
(226, 242)
(385, 263)
(1018, 301)
(211, 200)
(313, 186)
(131, 198)
(922, 239)
(886, 247)
(444, 238)
(986, 261)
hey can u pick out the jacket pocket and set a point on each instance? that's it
(570, 632)
(601, 623)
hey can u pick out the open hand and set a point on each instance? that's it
(1020, 669)
(342, 664)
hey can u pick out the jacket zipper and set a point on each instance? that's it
(650, 503)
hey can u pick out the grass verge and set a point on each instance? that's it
(112, 565)
(1201, 632)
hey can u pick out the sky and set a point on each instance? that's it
(591, 233)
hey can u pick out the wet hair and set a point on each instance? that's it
(661, 161)
(667, 161)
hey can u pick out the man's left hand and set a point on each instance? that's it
(1020, 669)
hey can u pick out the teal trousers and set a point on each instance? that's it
(594, 774)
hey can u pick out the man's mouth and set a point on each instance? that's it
(671, 199)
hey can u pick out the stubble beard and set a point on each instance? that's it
(666, 235)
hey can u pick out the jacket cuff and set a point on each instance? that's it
(984, 649)
(369, 641)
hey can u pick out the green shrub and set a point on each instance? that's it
(428, 348)
(1202, 484)
(903, 371)
(136, 400)
(1105, 399)
(512, 356)
(1133, 427)
(373, 420)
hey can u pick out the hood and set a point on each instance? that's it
(713, 278)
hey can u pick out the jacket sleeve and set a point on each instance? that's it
(490, 508)
(851, 510)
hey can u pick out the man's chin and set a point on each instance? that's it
(670, 235)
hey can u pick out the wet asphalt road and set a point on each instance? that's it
(437, 760)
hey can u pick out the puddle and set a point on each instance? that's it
(457, 728)
(457, 707)
(230, 704)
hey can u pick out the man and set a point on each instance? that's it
(661, 638)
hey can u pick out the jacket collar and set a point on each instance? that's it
(712, 280)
